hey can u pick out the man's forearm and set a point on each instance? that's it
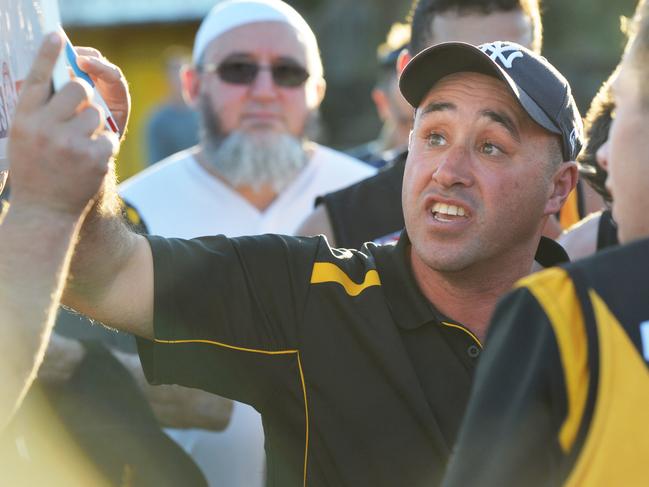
(35, 250)
(104, 247)
(174, 406)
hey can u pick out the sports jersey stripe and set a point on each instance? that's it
(571, 340)
(324, 272)
(306, 413)
(465, 330)
(614, 433)
(225, 345)
(264, 352)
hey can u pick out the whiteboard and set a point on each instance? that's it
(22, 25)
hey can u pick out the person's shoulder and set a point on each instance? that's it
(352, 261)
(158, 175)
(622, 260)
(580, 240)
(551, 288)
(335, 159)
(390, 177)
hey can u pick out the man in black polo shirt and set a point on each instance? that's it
(360, 362)
(370, 210)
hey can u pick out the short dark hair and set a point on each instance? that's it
(422, 13)
(596, 127)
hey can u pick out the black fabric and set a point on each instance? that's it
(550, 253)
(518, 395)
(385, 380)
(368, 210)
(606, 231)
(106, 417)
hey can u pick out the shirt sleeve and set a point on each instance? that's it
(227, 312)
(509, 435)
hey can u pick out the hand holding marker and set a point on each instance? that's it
(71, 56)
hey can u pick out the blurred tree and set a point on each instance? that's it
(583, 40)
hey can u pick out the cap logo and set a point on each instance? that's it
(497, 50)
(573, 140)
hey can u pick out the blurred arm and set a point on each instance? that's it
(174, 406)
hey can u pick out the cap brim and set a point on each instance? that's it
(434, 63)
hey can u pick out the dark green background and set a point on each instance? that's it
(582, 39)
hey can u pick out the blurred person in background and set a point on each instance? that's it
(173, 125)
(597, 231)
(370, 211)
(561, 393)
(257, 82)
(393, 110)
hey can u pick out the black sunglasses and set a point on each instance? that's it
(245, 72)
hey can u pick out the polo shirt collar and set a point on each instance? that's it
(410, 308)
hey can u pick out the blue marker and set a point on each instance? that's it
(71, 56)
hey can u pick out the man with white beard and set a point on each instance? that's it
(257, 81)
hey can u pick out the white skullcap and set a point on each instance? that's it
(229, 14)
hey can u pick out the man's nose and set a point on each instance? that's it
(263, 87)
(454, 168)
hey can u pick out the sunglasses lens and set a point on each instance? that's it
(239, 73)
(289, 75)
(244, 73)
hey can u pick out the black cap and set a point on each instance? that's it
(541, 90)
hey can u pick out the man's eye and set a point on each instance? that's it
(436, 139)
(491, 149)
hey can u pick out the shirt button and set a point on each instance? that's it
(473, 351)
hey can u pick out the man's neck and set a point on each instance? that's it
(469, 296)
(261, 197)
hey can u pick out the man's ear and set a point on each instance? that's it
(382, 103)
(563, 182)
(403, 59)
(191, 83)
(322, 89)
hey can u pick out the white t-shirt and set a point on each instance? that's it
(177, 197)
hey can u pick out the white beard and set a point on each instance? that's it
(258, 159)
(252, 159)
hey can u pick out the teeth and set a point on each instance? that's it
(445, 209)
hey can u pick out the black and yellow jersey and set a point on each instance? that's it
(561, 395)
(359, 379)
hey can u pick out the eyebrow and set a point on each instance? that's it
(504, 120)
(437, 107)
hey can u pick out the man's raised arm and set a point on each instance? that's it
(111, 276)
(58, 155)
